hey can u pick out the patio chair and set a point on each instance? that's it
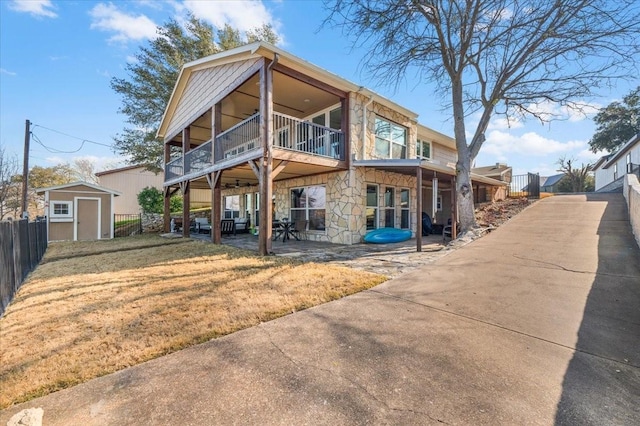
(299, 229)
(447, 231)
(227, 227)
(202, 225)
(276, 230)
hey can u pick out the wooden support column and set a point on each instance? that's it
(266, 165)
(216, 205)
(419, 208)
(454, 209)
(167, 195)
(184, 187)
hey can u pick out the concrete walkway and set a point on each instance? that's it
(536, 323)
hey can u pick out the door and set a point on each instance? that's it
(87, 220)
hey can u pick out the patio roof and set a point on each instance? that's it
(408, 166)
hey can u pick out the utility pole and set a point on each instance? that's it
(25, 169)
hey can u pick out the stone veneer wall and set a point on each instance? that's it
(346, 201)
(358, 102)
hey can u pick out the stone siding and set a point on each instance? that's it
(374, 110)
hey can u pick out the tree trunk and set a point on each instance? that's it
(464, 189)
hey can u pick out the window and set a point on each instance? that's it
(439, 206)
(389, 207)
(629, 167)
(231, 207)
(391, 139)
(61, 211)
(309, 203)
(372, 206)
(330, 118)
(404, 208)
(423, 149)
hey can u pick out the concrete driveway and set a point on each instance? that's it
(537, 323)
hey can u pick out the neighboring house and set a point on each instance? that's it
(78, 211)
(273, 136)
(499, 171)
(610, 169)
(550, 183)
(130, 180)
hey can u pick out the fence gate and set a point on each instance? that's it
(525, 186)
(125, 225)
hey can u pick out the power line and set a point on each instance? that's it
(54, 150)
(73, 137)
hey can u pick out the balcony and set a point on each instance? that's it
(243, 140)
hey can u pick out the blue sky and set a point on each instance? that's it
(57, 58)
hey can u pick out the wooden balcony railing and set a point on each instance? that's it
(290, 133)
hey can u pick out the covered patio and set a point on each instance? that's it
(386, 259)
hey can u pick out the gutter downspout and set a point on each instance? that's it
(364, 126)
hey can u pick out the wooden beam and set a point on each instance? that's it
(309, 80)
(419, 208)
(280, 167)
(255, 167)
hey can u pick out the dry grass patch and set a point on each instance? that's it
(87, 315)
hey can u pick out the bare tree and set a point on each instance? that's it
(84, 169)
(10, 188)
(495, 57)
(577, 176)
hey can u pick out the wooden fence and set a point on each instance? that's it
(22, 245)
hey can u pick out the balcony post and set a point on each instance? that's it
(186, 146)
(216, 128)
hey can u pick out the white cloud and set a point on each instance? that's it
(242, 15)
(500, 144)
(7, 72)
(39, 8)
(552, 111)
(107, 17)
(504, 123)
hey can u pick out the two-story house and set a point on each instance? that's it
(274, 136)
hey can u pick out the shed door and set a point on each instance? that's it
(87, 220)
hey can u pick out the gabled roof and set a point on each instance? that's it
(494, 170)
(267, 50)
(69, 185)
(622, 151)
(551, 180)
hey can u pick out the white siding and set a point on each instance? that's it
(205, 88)
(606, 176)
